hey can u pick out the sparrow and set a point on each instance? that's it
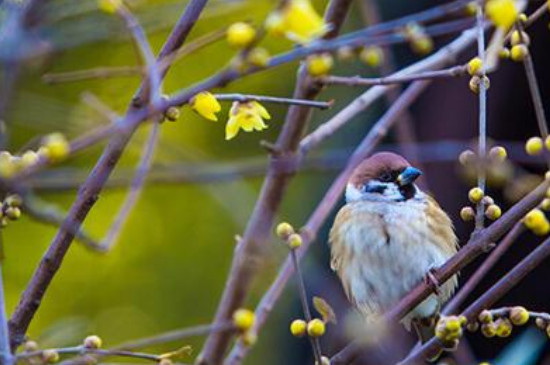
(389, 237)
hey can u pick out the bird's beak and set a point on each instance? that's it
(408, 176)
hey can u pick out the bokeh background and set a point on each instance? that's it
(168, 268)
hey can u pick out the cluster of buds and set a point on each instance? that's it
(519, 42)
(54, 148)
(419, 40)
(498, 169)
(535, 145)
(537, 222)
(449, 330)
(286, 232)
(314, 328)
(10, 210)
(476, 81)
(243, 320)
(500, 322)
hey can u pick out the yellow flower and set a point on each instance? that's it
(298, 21)
(249, 116)
(534, 146)
(502, 12)
(316, 328)
(298, 327)
(109, 6)
(206, 104)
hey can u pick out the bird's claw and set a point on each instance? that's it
(432, 281)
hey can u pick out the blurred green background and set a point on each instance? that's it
(169, 266)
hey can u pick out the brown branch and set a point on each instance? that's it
(249, 250)
(88, 194)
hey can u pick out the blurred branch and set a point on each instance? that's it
(6, 356)
(82, 350)
(88, 194)
(50, 214)
(93, 73)
(135, 189)
(497, 291)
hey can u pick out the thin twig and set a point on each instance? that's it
(272, 99)
(361, 81)
(6, 356)
(81, 350)
(135, 189)
(315, 344)
(93, 73)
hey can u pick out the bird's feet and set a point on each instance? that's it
(432, 281)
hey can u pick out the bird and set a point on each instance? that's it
(389, 237)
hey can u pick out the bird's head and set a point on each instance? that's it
(384, 176)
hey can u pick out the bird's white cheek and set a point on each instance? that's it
(353, 194)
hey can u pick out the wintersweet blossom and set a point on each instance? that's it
(248, 116)
(503, 13)
(298, 21)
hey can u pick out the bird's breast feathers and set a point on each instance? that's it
(382, 250)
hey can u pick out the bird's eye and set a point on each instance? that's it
(385, 177)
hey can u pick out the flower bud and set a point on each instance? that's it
(294, 241)
(519, 52)
(172, 114)
(244, 319)
(30, 346)
(488, 330)
(249, 338)
(519, 316)
(319, 64)
(258, 57)
(485, 316)
(533, 146)
(93, 342)
(493, 212)
(316, 328)
(519, 38)
(475, 66)
(240, 34)
(498, 153)
(298, 327)
(467, 214)
(50, 356)
(372, 56)
(475, 195)
(503, 327)
(284, 230)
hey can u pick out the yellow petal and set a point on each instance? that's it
(302, 22)
(231, 128)
(260, 109)
(206, 105)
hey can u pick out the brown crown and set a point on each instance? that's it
(376, 165)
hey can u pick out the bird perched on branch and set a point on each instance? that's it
(388, 238)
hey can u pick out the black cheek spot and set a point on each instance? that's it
(378, 189)
(407, 191)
